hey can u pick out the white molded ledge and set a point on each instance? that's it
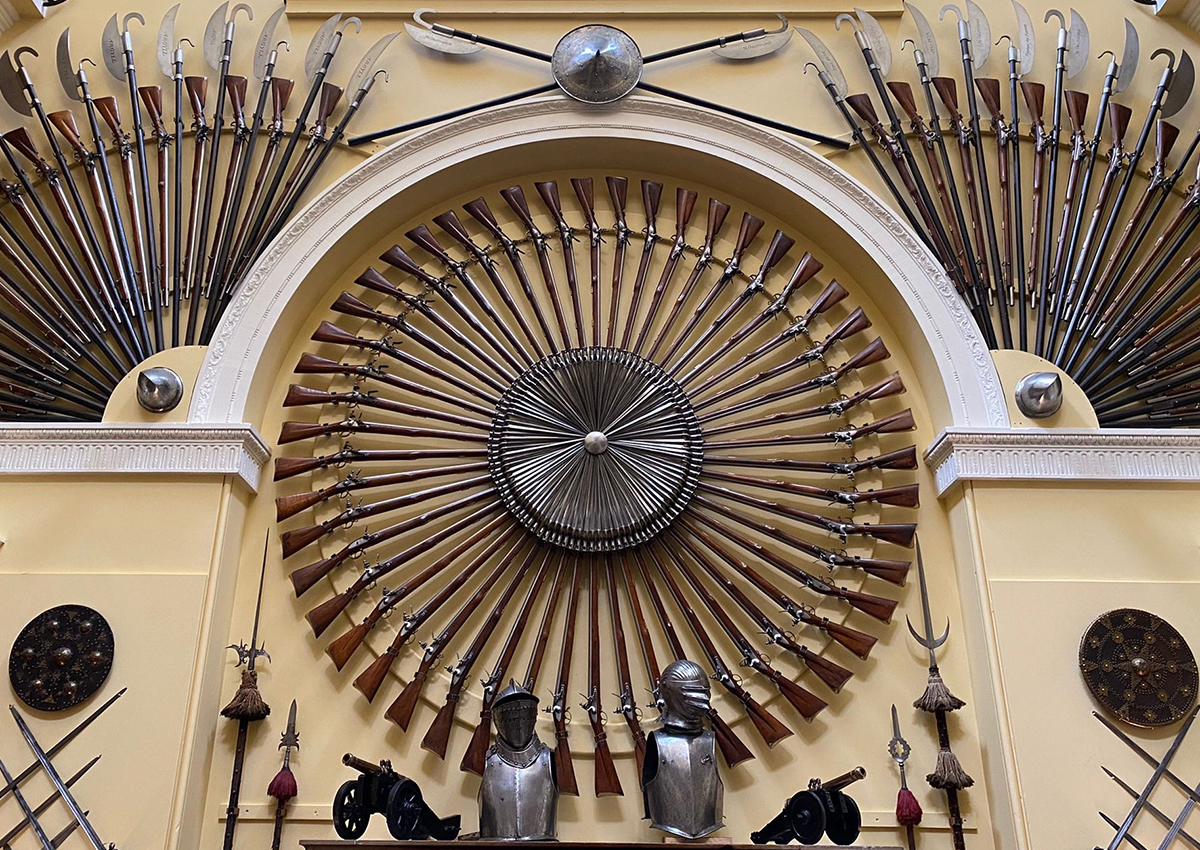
(1082, 454)
(104, 448)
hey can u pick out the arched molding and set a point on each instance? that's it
(243, 346)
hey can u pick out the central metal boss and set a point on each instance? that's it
(595, 449)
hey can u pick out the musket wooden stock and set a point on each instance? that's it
(607, 782)
(514, 196)
(651, 197)
(618, 193)
(312, 364)
(300, 396)
(628, 706)
(905, 458)
(905, 496)
(564, 767)
(291, 432)
(685, 204)
(287, 467)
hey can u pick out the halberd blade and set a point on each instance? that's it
(981, 34)
(763, 44)
(1026, 41)
(316, 47)
(112, 49)
(366, 65)
(214, 36)
(1181, 86)
(66, 68)
(165, 47)
(925, 38)
(10, 86)
(1129, 59)
(1079, 42)
(877, 39)
(266, 43)
(827, 60)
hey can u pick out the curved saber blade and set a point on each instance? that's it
(1129, 59)
(214, 36)
(316, 47)
(753, 47)
(10, 86)
(266, 43)
(164, 48)
(367, 64)
(827, 60)
(66, 68)
(925, 38)
(981, 34)
(112, 50)
(1079, 43)
(875, 36)
(1181, 86)
(1026, 41)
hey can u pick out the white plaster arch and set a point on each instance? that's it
(971, 386)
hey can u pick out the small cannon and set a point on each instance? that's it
(822, 809)
(380, 790)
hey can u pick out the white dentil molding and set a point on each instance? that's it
(1077, 454)
(135, 449)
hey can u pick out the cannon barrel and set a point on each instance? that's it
(361, 765)
(840, 782)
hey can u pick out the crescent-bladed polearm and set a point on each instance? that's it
(170, 61)
(1020, 61)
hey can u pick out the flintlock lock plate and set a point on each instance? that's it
(61, 657)
(1138, 667)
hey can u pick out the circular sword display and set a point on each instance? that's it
(595, 449)
(1138, 667)
(61, 657)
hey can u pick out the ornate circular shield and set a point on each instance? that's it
(597, 64)
(61, 657)
(1138, 667)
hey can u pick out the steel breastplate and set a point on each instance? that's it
(518, 799)
(682, 787)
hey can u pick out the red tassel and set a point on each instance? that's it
(908, 810)
(283, 786)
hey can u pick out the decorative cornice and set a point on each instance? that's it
(102, 448)
(592, 10)
(1084, 454)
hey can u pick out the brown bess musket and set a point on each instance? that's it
(618, 193)
(833, 293)
(804, 701)
(874, 352)
(566, 236)
(305, 577)
(401, 710)
(904, 496)
(514, 196)
(805, 270)
(286, 467)
(289, 506)
(293, 431)
(197, 89)
(905, 458)
(989, 90)
(628, 704)
(299, 396)
(749, 229)
(780, 244)
(559, 710)
(542, 644)
(311, 364)
(888, 570)
(479, 210)
(438, 734)
(892, 385)
(717, 212)
(733, 750)
(331, 95)
(369, 681)
(768, 726)
(152, 99)
(424, 237)
(585, 192)
(651, 197)
(475, 756)
(685, 203)
(608, 784)
(449, 222)
(832, 674)
(1035, 102)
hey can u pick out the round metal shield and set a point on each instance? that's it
(61, 657)
(597, 64)
(1138, 667)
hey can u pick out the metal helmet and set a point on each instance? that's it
(159, 389)
(515, 714)
(1039, 394)
(685, 694)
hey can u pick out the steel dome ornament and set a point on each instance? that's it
(597, 63)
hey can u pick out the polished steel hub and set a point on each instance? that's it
(595, 449)
(596, 63)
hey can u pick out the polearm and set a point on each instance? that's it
(235, 87)
(193, 254)
(989, 90)
(152, 100)
(170, 62)
(1077, 104)
(1020, 62)
(26, 809)
(651, 196)
(685, 203)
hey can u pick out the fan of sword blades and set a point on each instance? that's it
(545, 398)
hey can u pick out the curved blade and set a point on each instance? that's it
(752, 48)
(112, 50)
(1181, 86)
(1025, 41)
(1129, 59)
(366, 65)
(827, 60)
(877, 39)
(424, 35)
(66, 69)
(266, 43)
(214, 36)
(164, 48)
(1079, 43)
(316, 47)
(981, 34)
(925, 38)
(10, 86)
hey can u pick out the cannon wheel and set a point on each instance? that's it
(350, 817)
(404, 807)
(844, 821)
(808, 818)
